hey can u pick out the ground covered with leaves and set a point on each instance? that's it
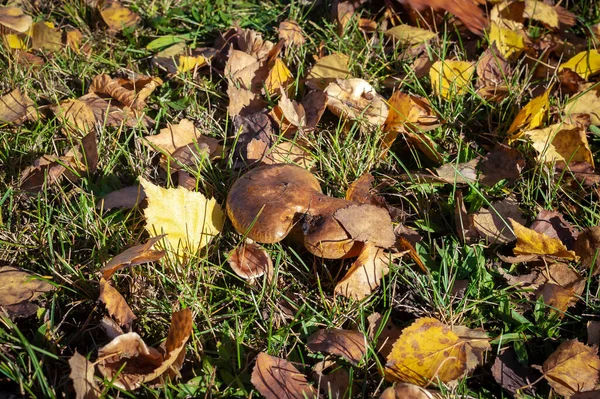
(338, 199)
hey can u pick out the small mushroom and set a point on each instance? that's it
(268, 201)
(356, 99)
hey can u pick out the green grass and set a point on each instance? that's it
(59, 233)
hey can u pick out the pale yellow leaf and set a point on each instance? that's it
(407, 35)
(585, 64)
(561, 143)
(508, 42)
(450, 78)
(531, 116)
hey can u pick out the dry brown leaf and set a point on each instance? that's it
(462, 173)
(587, 246)
(282, 152)
(351, 345)
(530, 242)
(356, 99)
(131, 93)
(44, 37)
(328, 69)
(126, 197)
(561, 143)
(75, 115)
(133, 256)
(116, 16)
(502, 163)
(82, 374)
(19, 290)
(493, 223)
(250, 261)
(465, 225)
(257, 126)
(364, 276)
(332, 379)
(129, 362)
(360, 191)
(593, 333)
(243, 102)
(386, 335)
(571, 368)
(73, 39)
(242, 70)
(183, 134)
(587, 102)
(409, 113)
(407, 35)
(291, 33)
(304, 116)
(428, 351)
(406, 391)
(553, 224)
(277, 378)
(466, 10)
(559, 286)
(511, 374)
(252, 43)
(13, 19)
(15, 107)
(111, 113)
(357, 220)
(116, 304)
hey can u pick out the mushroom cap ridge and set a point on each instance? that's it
(264, 202)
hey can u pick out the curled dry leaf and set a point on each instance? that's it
(530, 116)
(82, 374)
(493, 223)
(115, 304)
(127, 197)
(351, 345)
(571, 368)
(327, 70)
(559, 286)
(430, 351)
(131, 93)
(189, 219)
(365, 274)
(15, 107)
(252, 43)
(587, 246)
(450, 78)
(466, 10)
(530, 242)
(250, 261)
(116, 16)
(291, 33)
(133, 256)
(277, 378)
(13, 19)
(129, 362)
(561, 143)
(586, 64)
(19, 290)
(462, 173)
(356, 99)
(304, 116)
(112, 113)
(332, 379)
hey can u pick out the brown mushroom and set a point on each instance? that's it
(268, 201)
(356, 99)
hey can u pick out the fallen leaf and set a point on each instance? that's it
(291, 33)
(386, 334)
(14, 19)
(115, 304)
(465, 225)
(502, 163)
(351, 345)
(258, 126)
(462, 173)
(560, 143)
(188, 218)
(406, 391)
(587, 248)
(282, 152)
(357, 221)
(466, 10)
(19, 290)
(587, 102)
(554, 225)
(409, 113)
(73, 39)
(44, 37)
(76, 116)
(365, 274)
(118, 17)
(542, 12)
(511, 375)
(293, 116)
(112, 113)
(15, 107)
(133, 256)
(182, 134)
(279, 78)
(82, 374)
(356, 99)
(493, 223)
(586, 64)
(509, 43)
(243, 102)
(131, 93)
(530, 242)
(429, 351)
(593, 333)
(407, 35)
(250, 261)
(126, 197)
(559, 286)
(242, 70)
(530, 116)
(252, 43)
(327, 70)
(450, 78)
(332, 379)
(277, 378)
(572, 367)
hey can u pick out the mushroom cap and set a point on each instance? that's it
(264, 202)
(356, 99)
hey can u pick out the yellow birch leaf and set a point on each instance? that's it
(561, 142)
(530, 242)
(449, 78)
(571, 368)
(407, 35)
(542, 12)
(428, 351)
(531, 116)
(585, 64)
(187, 63)
(189, 219)
(117, 16)
(508, 42)
(16, 42)
(279, 77)
(327, 70)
